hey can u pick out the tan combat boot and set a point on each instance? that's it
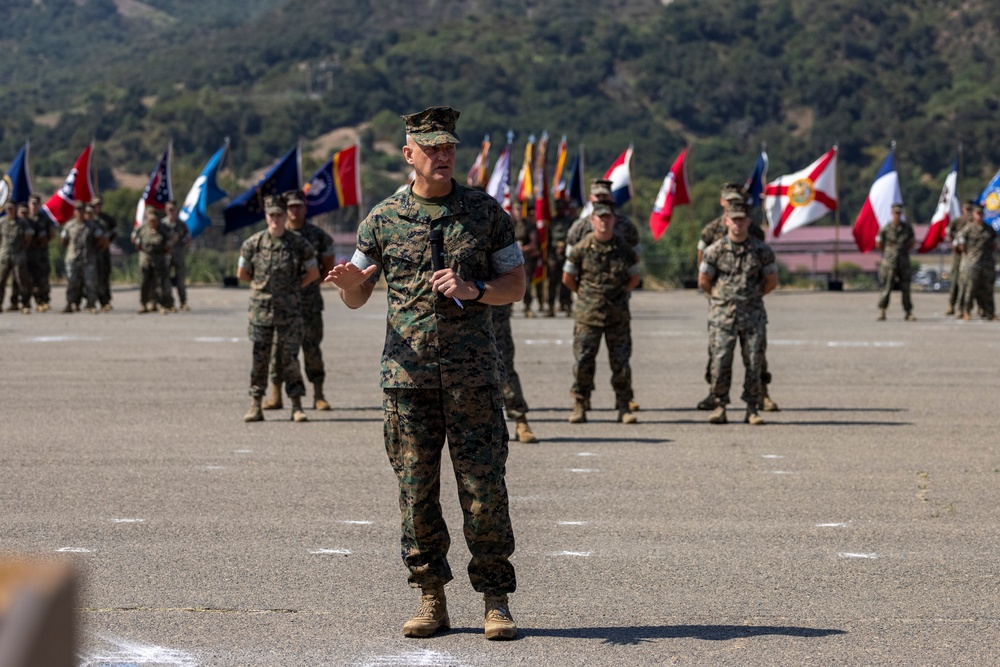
(910, 317)
(273, 401)
(626, 417)
(768, 405)
(499, 623)
(881, 314)
(524, 432)
(718, 415)
(297, 414)
(432, 616)
(950, 311)
(319, 401)
(579, 415)
(633, 406)
(752, 417)
(254, 414)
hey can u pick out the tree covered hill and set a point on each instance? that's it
(721, 76)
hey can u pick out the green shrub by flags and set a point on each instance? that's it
(336, 184)
(248, 208)
(204, 192)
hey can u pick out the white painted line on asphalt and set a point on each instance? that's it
(62, 339)
(127, 653)
(213, 467)
(242, 451)
(573, 523)
(419, 658)
(583, 469)
(772, 456)
(556, 341)
(845, 554)
(577, 554)
(586, 454)
(331, 552)
(359, 523)
(780, 472)
(214, 339)
(128, 520)
(831, 525)
(73, 550)
(864, 343)
(787, 342)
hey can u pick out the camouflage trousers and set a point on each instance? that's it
(765, 375)
(722, 343)
(39, 269)
(530, 264)
(556, 288)
(955, 276)
(586, 344)
(417, 423)
(104, 277)
(18, 271)
(513, 397)
(888, 277)
(977, 287)
(155, 283)
(81, 281)
(312, 355)
(287, 337)
(178, 262)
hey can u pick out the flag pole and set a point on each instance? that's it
(836, 222)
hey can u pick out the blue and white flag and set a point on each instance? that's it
(990, 200)
(204, 192)
(757, 181)
(16, 186)
(248, 208)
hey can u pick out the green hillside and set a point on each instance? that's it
(722, 76)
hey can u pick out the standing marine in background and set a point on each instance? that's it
(110, 228)
(153, 243)
(954, 230)
(312, 308)
(558, 233)
(39, 263)
(977, 244)
(16, 234)
(82, 238)
(180, 239)
(895, 240)
(513, 396)
(527, 238)
(278, 265)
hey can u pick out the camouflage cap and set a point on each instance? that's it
(736, 209)
(897, 208)
(432, 126)
(35, 198)
(89, 207)
(600, 208)
(970, 203)
(96, 200)
(600, 187)
(733, 191)
(293, 197)
(79, 205)
(978, 208)
(274, 204)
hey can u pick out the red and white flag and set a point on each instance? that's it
(620, 175)
(673, 192)
(877, 211)
(76, 188)
(158, 191)
(798, 199)
(948, 209)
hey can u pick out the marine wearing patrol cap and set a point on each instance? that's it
(79, 205)
(897, 208)
(600, 208)
(733, 191)
(736, 209)
(977, 207)
(274, 204)
(600, 187)
(294, 197)
(35, 198)
(432, 126)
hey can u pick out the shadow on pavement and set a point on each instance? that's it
(647, 633)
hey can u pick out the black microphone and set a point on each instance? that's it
(436, 237)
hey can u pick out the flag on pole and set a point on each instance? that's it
(948, 209)
(558, 182)
(796, 200)
(757, 181)
(499, 185)
(877, 210)
(990, 201)
(158, 191)
(18, 180)
(673, 192)
(575, 189)
(525, 189)
(248, 208)
(77, 187)
(336, 184)
(477, 174)
(620, 175)
(203, 193)
(543, 209)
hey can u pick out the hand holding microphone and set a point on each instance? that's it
(436, 237)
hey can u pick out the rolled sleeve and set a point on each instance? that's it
(635, 270)
(707, 269)
(571, 268)
(770, 269)
(506, 259)
(363, 261)
(244, 263)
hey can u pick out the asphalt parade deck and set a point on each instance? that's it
(859, 526)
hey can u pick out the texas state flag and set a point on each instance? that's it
(621, 178)
(877, 211)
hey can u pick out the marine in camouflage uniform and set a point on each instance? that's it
(513, 396)
(39, 264)
(110, 228)
(977, 241)
(153, 243)
(180, 238)
(16, 234)
(527, 237)
(736, 272)
(277, 264)
(441, 370)
(312, 308)
(558, 233)
(710, 233)
(602, 268)
(600, 191)
(895, 240)
(82, 238)
(954, 230)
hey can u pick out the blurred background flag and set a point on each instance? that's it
(336, 184)
(248, 208)
(204, 192)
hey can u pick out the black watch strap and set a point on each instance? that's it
(481, 286)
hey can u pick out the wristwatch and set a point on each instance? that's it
(481, 286)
